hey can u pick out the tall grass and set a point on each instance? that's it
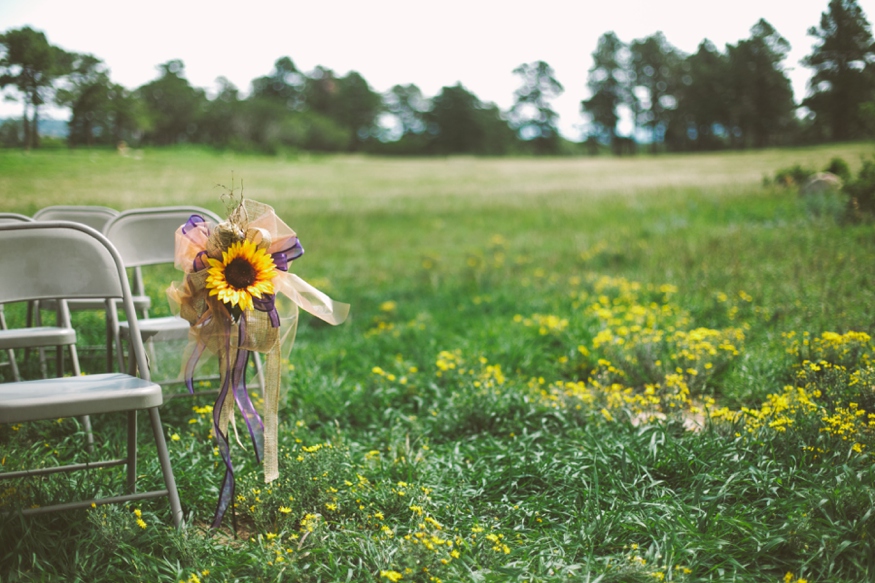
(531, 342)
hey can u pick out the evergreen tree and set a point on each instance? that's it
(655, 68)
(704, 102)
(531, 115)
(459, 123)
(761, 106)
(843, 60)
(608, 84)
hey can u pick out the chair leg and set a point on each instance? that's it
(89, 436)
(86, 421)
(38, 321)
(132, 365)
(113, 331)
(151, 355)
(120, 350)
(109, 345)
(32, 308)
(64, 320)
(43, 368)
(132, 452)
(166, 469)
(16, 375)
(13, 366)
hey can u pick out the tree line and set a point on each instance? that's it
(739, 97)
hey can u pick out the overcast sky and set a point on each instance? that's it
(434, 44)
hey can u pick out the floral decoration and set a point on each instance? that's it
(236, 273)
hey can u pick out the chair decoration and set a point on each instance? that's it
(234, 274)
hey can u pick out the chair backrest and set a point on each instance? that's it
(14, 218)
(95, 217)
(38, 263)
(146, 236)
(65, 260)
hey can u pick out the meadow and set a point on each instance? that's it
(583, 369)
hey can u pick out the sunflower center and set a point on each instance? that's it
(240, 273)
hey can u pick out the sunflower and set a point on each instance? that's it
(244, 271)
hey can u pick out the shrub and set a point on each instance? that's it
(862, 192)
(855, 201)
(795, 175)
(840, 168)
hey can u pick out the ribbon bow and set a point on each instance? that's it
(232, 332)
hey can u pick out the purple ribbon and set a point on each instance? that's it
(267, 304)
(288, 252)
(291, 250)
(199, 262)
(235, 380)
(195, 222)
(241, 395)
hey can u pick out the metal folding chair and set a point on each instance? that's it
(95, 217)
(57, 260)
(147, 236)
(40, 337)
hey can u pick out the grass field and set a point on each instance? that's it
(593, 369)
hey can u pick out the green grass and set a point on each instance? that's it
(483, 413)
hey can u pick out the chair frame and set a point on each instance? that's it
(119, 392)
(94, 216)
(14, 218)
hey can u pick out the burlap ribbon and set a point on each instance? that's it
(269, 328)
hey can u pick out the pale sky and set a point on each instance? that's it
(434, 44)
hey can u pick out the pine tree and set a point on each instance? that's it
(843, 61)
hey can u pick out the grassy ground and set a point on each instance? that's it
(530, 341)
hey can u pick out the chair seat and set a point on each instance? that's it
(160, 329)
(36, 337)
(75, 396)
